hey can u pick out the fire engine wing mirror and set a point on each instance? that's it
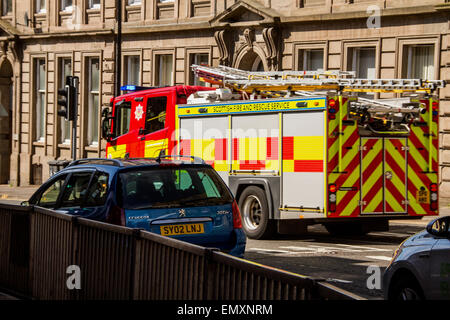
(439, 227)
(106, 125)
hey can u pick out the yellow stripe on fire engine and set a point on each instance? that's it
(153, 147)
(245, 107)
(118, 151)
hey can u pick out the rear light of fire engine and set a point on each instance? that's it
(433, 196)
(237, 223)
(435, 108)
(332, 109)
(332, 189)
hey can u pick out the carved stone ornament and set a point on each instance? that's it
(271, 41)
(224, 52)
(249, 36)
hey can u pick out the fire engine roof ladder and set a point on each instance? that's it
(306, 82)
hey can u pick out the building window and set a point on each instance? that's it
(65, 69)
(93, 101)
(132, 70)
(362, 61)
(164, 70)
(198, 59)
(311, 3)
(66, 5)
(94, 4)
(418, 62)
(40, 99)
(6, 7)
(40, 6)
(310, 60)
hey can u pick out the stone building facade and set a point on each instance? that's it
(42, 41)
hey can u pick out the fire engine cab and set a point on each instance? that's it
(295, 148)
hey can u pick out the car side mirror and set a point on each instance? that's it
(25, 203)
(106, 125)
(439, 227)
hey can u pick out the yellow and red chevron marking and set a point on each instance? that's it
(303, 154)
(420, 175)
(395, 188)
(372, 175)
(349, 177)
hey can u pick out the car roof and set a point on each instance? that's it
(110, 164)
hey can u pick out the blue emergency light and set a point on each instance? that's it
(134, 88)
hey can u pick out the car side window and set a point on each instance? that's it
(49, 197)
(208, 184)
(98, 190)
(76, 190)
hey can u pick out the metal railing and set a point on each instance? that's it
(118, 263)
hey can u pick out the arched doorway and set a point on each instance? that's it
(6, 93)
(251, 61)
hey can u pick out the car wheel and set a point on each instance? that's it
(406, 289)
(255, 214)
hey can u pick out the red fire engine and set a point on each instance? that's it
(296, 148)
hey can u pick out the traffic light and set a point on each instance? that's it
(64, 102)
(67, 100)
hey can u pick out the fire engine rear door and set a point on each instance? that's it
(372, 175)
(383, 176)
(395, 175)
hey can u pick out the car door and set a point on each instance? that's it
(440, 269)
(155, 136)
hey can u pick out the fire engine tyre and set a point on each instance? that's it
(255, 214)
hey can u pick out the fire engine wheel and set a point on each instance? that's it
(255, 214)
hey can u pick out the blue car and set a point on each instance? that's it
(170, 196)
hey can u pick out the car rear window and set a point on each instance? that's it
(172, 187)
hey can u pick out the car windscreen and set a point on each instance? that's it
(172, 186)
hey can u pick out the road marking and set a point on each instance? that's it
(390, 234)
(384, 258)
(338, 280)
(365, 248)
(267, 250)
(319, 249)
(310, 249)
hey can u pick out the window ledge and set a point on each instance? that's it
(93, 11)
(91, 148)
(39, 143)
(64, 146)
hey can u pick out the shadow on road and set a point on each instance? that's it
(395, 235)
(352, 275)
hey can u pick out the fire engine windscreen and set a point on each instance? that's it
(172, 187)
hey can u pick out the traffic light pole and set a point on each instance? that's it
(75, 84)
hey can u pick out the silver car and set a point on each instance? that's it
(420, 267)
